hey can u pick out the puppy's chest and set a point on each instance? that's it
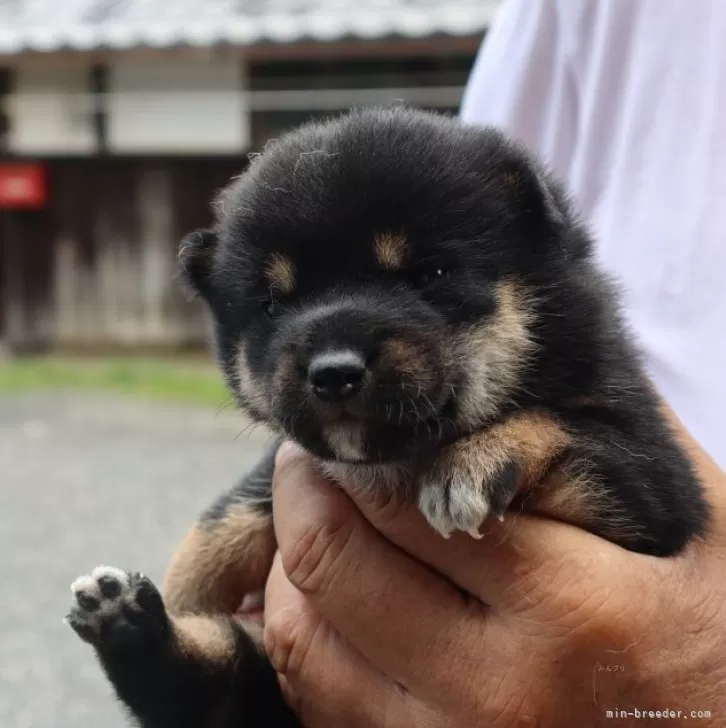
(406, 478)
(388, 478)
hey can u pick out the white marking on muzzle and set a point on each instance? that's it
(346, 440)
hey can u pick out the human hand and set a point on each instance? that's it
(371, 619)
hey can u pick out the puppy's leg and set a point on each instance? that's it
(225, 559)
(628, 480)
(621, 477)
(185, 672)
(482, 473)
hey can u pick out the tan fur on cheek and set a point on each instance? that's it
(250, 389)
(408, 361)
(390, 250)
(492, 355)
(280, 273)
(511, 179)
(284, 378)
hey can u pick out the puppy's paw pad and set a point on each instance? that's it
(110, 603)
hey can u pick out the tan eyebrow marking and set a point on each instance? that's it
(511, 179)
(280, 273)
(390, 250)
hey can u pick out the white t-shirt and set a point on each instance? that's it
(626, 100)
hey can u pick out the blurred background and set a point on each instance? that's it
(119, 120)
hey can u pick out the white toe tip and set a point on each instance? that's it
(86, 584)
(112, 571)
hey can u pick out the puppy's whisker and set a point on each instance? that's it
(247, 430)
(226, 405)
(430, 404)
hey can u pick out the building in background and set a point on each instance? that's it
(120, 118)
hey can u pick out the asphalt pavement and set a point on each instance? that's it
(89, 480)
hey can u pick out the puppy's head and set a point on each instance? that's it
(368, 279)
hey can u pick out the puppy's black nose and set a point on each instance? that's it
(337, 375)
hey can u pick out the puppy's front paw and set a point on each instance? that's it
(115, 608)
(463, 487)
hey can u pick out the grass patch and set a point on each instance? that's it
(165, 379)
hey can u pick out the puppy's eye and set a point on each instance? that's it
(272, 309)
(426, 278)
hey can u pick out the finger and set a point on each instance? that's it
(514, 563)
(310, 657)
(413, 625)
(315, 711)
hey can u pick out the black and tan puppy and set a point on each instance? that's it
(416, 303)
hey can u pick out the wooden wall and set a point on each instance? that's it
(97, 267)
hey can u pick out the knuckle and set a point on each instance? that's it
(288, 640)
(592, 622)
(504, 699)
(701, 610)
(315, 557)
(590, 611)
(563, 592)
(514, 708)
(537, 587)
(288, 459)
(385, 506)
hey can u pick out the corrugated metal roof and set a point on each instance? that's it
(50, 25)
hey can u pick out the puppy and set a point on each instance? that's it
(416, 303)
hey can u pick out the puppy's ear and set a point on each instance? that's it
(538, 195)
(549, 225)
(196, 253)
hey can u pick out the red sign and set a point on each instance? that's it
(23, 186)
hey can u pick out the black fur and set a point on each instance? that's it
(477, 213)
(161, 685)
(252, 490)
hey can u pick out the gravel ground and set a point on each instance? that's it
(88, 480)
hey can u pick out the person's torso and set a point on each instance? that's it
(649, 171)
